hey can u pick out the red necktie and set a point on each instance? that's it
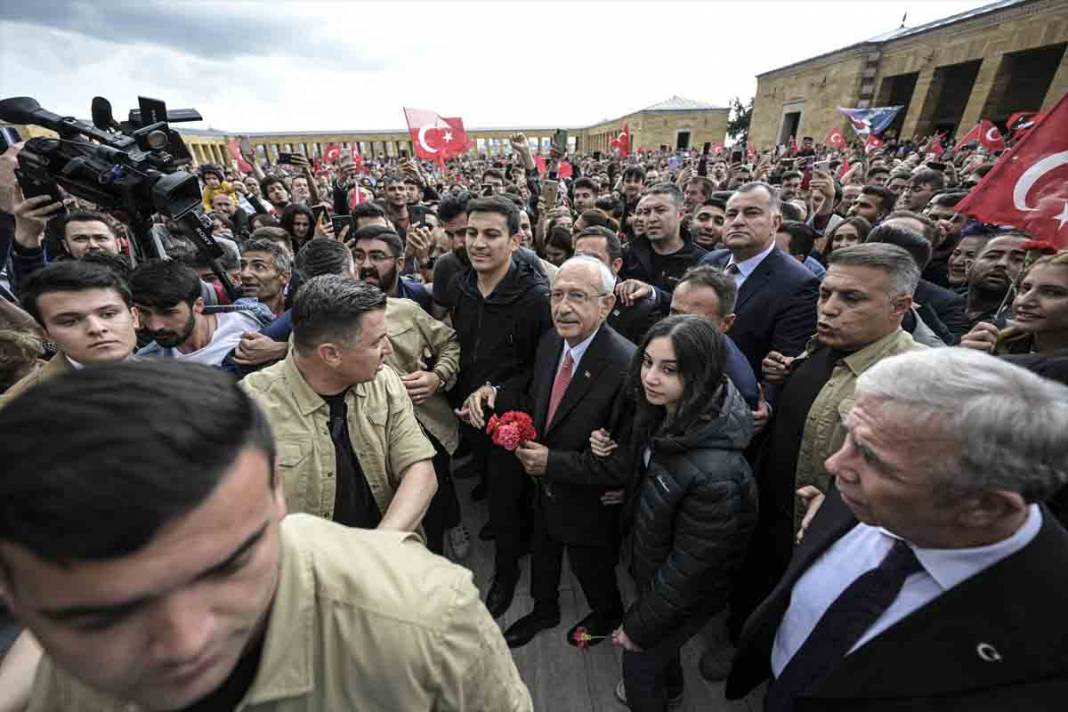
(560, 383)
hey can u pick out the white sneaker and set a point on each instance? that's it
(459, 541)
(673, 703)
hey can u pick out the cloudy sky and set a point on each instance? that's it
(258, 66)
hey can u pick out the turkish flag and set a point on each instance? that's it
(622, 142)
(1028, 186)
(972, 135)
(539, 163)
(566, 170)
(750, 150)
(235, 151)
(717, 149)
(989, 137)
(332, 153)
(934, 146)
(836, 139)
(435, 137)
(872, 142)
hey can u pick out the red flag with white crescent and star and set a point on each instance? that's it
(1028, 187)
(989, 137)
(435, 137)
(717, 149)
(872, 142)
(972, 135)
(332, 153)
(836, 139)
(357, 159)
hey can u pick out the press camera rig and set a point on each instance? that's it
(134, 167)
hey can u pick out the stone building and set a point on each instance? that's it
(676, 123)
(987, 63)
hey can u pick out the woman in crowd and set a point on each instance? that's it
(692, 506)
(849, 232)
(558, 245)
(1038, 335)
(299, 221)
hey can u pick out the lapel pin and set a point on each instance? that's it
(586, 374)
(988, 653)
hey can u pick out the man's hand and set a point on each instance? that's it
(620, 640)
(256, 348)
(982, 337)
(421, 385)
(822, 189)
(471, 412)
(776, 367)
(30, 218)
(632, 290)
(813, 501)
(418, 243)
(611, 497)
(762, 413)
(533, 457)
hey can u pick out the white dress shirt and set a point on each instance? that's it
(860, 550)
(747, 267)
(577, 352)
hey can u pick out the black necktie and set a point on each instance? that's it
(842, 625)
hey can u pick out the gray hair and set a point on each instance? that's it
(608, 280)
(1010, 423)
(282, 259)
(330, 308)
(774, 201)
(723, 284)
(892, 259)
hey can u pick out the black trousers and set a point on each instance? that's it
(594, 566)
(444, 510)
(510, 509)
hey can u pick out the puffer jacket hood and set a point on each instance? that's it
(726, 425)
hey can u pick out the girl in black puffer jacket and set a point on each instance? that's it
(692, 507)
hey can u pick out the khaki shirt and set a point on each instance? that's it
(41, 372)
(413, 333)
(383, 430)
(825, 431)
(362, 621)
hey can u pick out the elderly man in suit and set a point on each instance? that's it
(777, 295)
(579, 372)
(931, 578)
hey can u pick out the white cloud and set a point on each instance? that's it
(326, 65)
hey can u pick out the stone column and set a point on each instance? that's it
(1058, 87)
(986, 81)
(924, 99)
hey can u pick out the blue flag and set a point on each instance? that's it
(870, 121)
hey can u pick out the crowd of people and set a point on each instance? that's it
(794, 392)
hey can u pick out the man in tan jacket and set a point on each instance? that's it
(349, 446)
(168, 577)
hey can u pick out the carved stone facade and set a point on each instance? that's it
(984, 64)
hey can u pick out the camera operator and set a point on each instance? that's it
(82, 232)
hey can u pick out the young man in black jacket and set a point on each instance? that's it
(500, 310)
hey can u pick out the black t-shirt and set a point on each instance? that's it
(354, 504)
(229, 694)
(798, 395)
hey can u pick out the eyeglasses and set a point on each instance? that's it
(379, 257)
(574, 296)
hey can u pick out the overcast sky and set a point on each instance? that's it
(258, 66)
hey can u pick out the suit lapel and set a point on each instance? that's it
(755, 281)
(581, 379)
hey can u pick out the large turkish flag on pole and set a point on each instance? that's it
(435, 137)
(1028, 187)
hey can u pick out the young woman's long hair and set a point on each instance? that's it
(288, 214)
(700, 357)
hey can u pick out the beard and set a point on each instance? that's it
(170, 339)
(384, 282)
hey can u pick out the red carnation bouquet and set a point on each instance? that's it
(511, 429)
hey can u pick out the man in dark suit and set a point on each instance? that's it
(777, 295)
(632, 320)
(577, 387)
(930, 578)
